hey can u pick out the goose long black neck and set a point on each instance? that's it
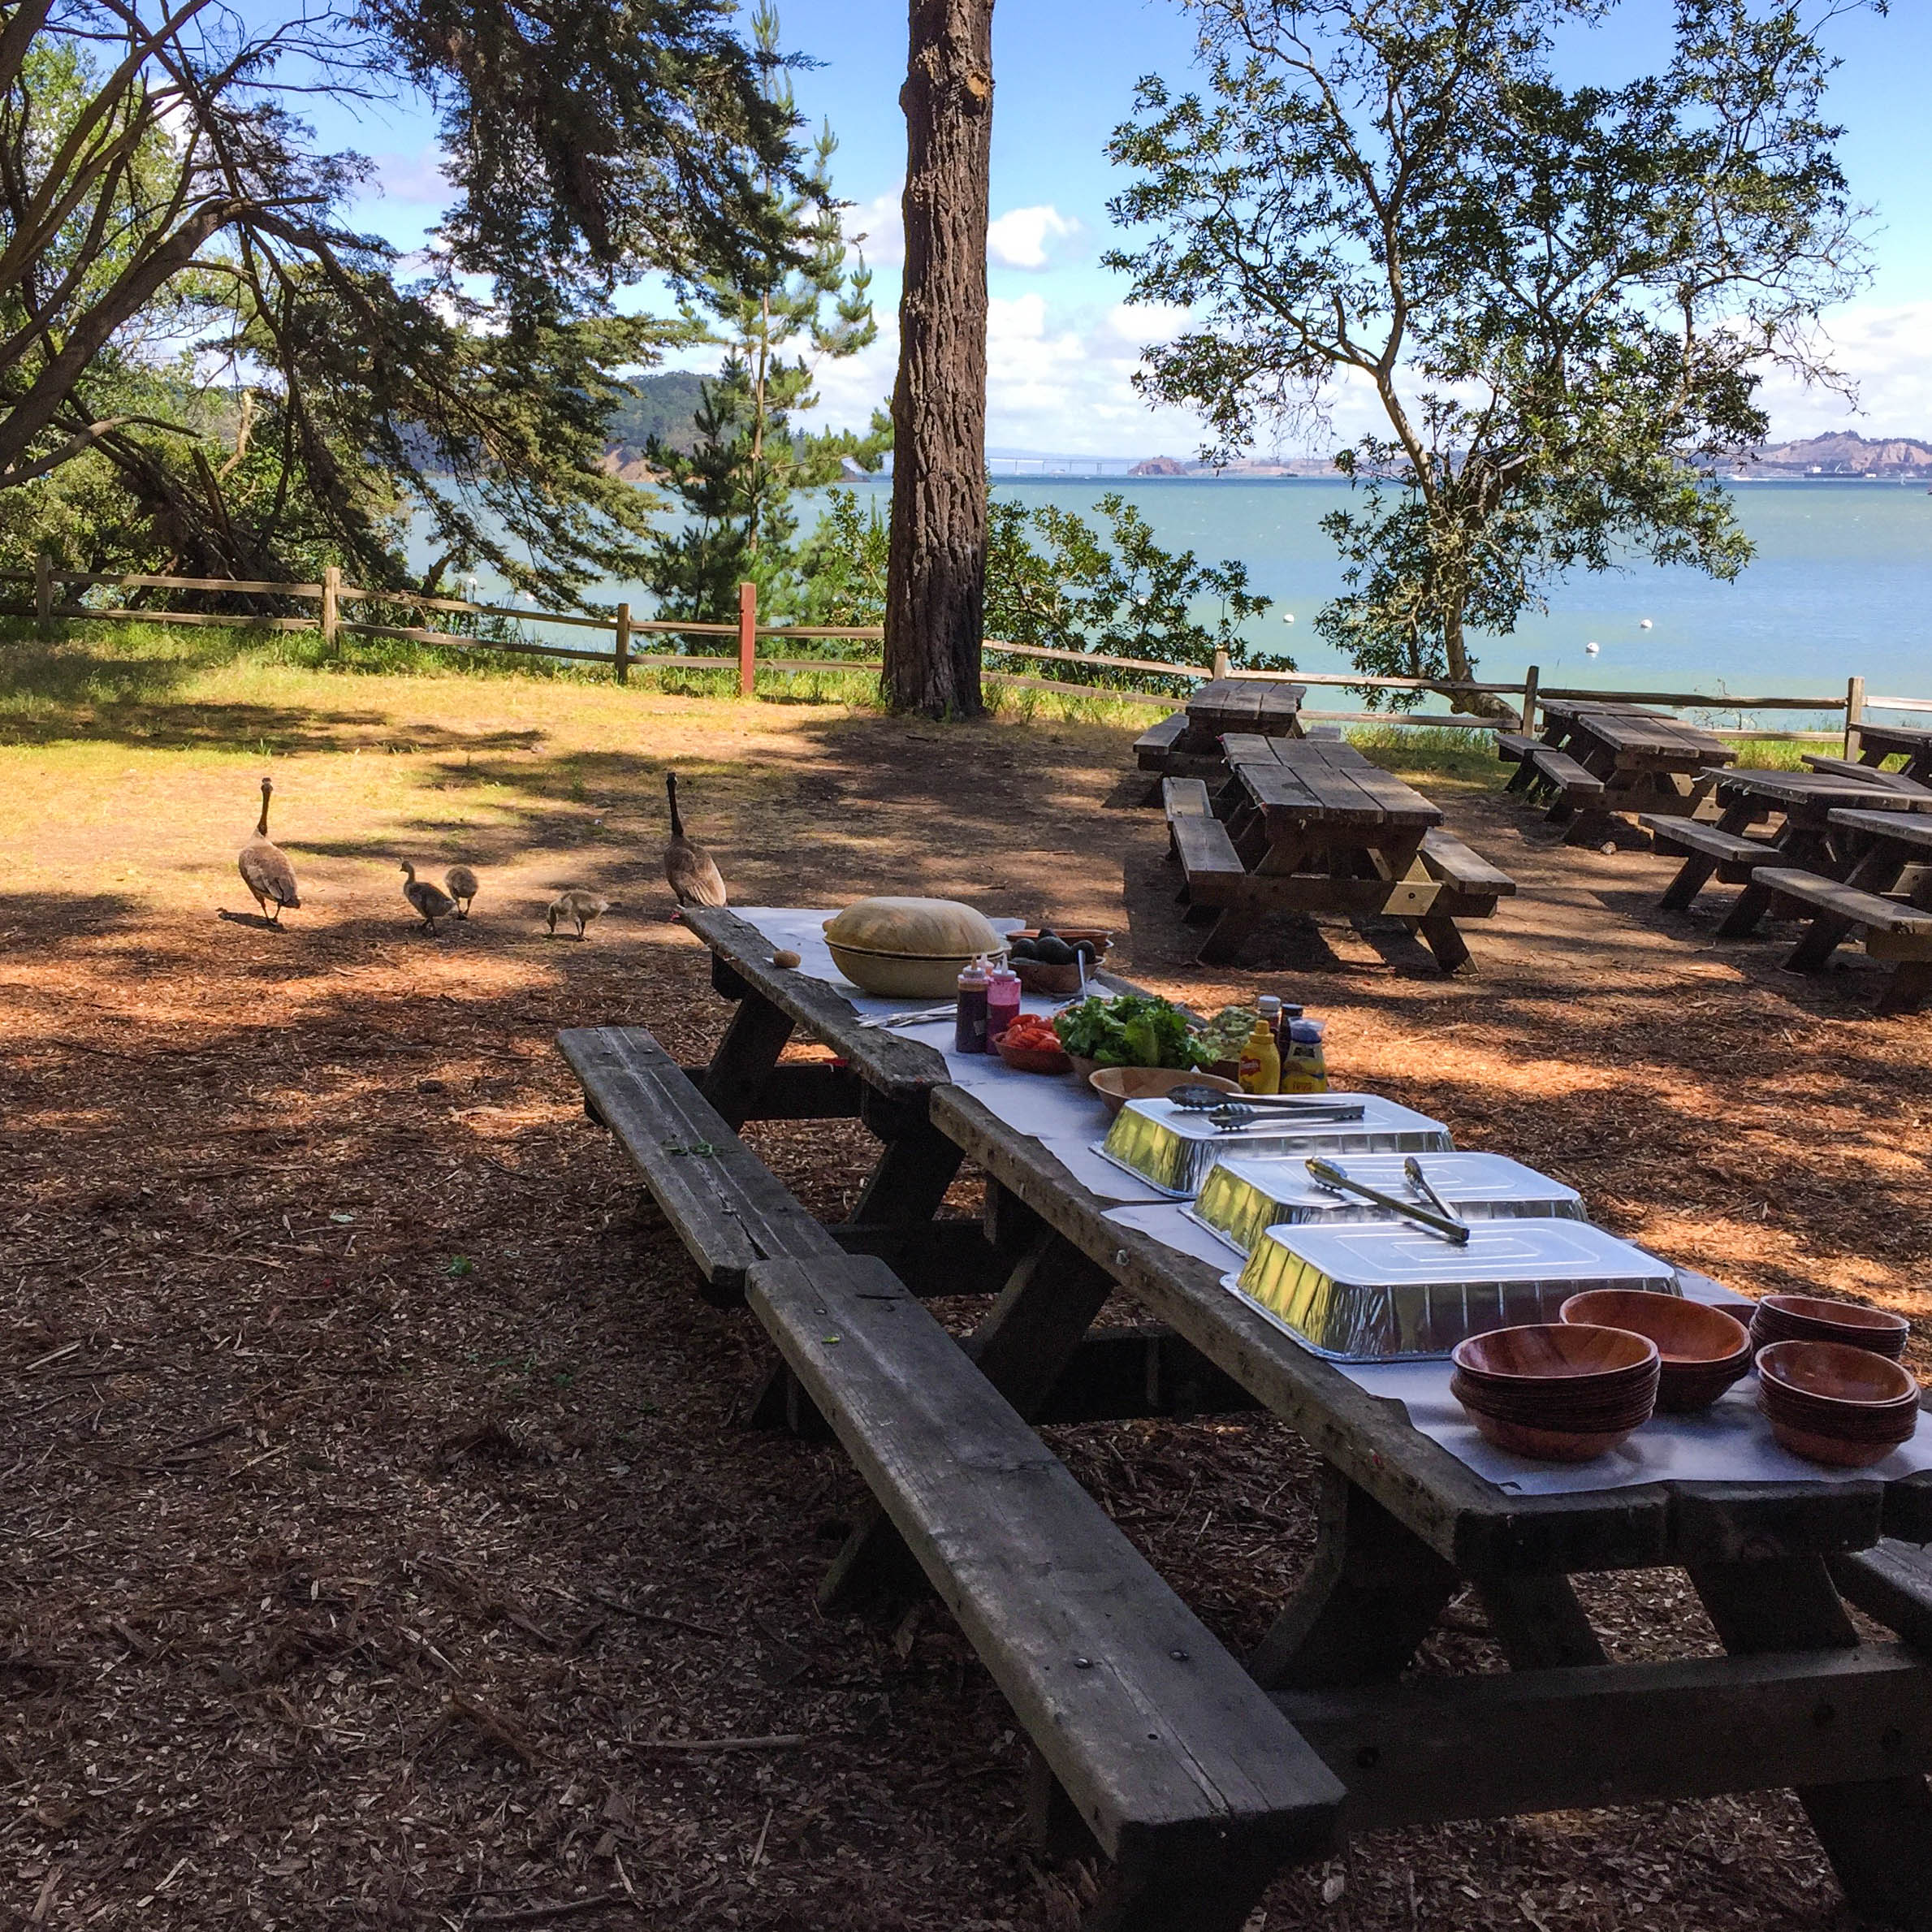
(677, 825)
(261, 824)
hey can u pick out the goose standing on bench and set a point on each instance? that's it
(694, 874)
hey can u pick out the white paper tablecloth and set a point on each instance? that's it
(1729, 1443)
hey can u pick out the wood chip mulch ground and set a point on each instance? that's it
(381, 1542)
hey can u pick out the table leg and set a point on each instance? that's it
(1373, 1595)
(1282, 858)
(1799, 846)
(1695, 871)
(1877, 872)
(1877, 1833)
(1023, 1347)
(749, 1051)
(914, 1171)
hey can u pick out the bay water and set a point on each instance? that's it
(1841, 585)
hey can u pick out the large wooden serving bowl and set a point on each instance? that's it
(1832, 1403)
(1704, 1351)
(1117, 1085)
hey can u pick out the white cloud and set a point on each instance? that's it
(881, 222)
(416, 178)
(1025, 237)
(1884, 352)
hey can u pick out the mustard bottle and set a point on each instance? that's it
(1260, 1070)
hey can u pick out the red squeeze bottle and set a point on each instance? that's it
(1002, 1002)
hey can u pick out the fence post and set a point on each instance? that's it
(623, 644)
(331, 589)
(1529, 702)
(43, 593)
(1221, 666)
(747, 639)
(1854, 713)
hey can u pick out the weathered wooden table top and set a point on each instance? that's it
(1245, 704)
(1318, 792)
(1813, 790)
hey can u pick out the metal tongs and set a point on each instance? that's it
(924, 1017)
(1325, 1173)
(1234, 1115)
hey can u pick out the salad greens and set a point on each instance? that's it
(1129, 1030)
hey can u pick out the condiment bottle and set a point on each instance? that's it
(1260, 1070)
(969, 1032)
(1002, 1001)
(1269, 1006)
(1304, 1066)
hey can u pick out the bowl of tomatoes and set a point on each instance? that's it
(1030, 1045)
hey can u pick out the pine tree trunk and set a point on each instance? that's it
(935, 586)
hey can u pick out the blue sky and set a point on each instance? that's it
(1063, 345)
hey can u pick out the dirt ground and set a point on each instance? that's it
(380, 1538)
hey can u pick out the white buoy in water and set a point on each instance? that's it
(1644, 625)
(1592, 648)
(1287, 616)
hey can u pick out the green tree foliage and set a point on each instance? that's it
(1053, 579)
(181, 302)
(738, 482)
(1562, 300)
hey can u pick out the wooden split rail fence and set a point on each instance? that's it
(331, 595)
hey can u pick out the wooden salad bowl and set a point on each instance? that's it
(1704, 1351)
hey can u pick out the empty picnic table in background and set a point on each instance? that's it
(1188, 745)
(1877, 742)
(1596, 759)
(1197, 1775)
(1311, 826)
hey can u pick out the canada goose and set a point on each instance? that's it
(431, 901)
(584, 907)
(693, 872)
(460, 882)
(264, 870)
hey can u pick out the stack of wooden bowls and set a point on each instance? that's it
(1559, 1391)
(1831, 1402)
(1812, 1318)
(1703, 1350)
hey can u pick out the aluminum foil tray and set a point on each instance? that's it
(1172, 1151)
(1242, 1198)
(1363, 1293)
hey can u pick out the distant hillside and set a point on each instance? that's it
(664, 407)
(1843, 453)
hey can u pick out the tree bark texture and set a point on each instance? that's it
(935, 589)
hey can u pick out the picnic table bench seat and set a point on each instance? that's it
(1211, 868)
(1151, 748)
(1708, 851)
(1574, 791)
(1145, 1728)
(1892, 929)
(1512, 747)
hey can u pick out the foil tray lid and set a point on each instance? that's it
(1365, 1254)
(1242, 1198)
(1172, 1149)
(1365, 1292)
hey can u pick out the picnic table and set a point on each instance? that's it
(1199, 1775)
(1311, 826)
(1596, 759)
(1804, 842)
(1188, 745)
(1878, 742)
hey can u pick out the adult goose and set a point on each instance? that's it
(693, 873)
(431, 901)
(265, 868)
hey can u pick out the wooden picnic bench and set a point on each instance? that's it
(1171, 1757)
(1875, 743)
(1885, 895)
(1804, 800)
(1188, 745)
(1314, 827)
(1799, 1699)
(1597, 758)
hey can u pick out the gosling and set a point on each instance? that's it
(431, 901)
(585, 908)
(460, 882)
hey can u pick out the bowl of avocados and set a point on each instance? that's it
(1049, 959)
